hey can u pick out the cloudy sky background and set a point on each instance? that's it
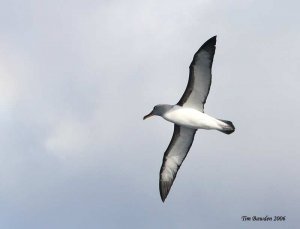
(76, 78)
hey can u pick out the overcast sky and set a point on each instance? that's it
(76, 78)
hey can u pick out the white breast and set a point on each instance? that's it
(191, 118)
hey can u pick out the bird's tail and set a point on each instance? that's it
(228, 127)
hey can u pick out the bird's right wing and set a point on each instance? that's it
(176, 152)
(199, 82)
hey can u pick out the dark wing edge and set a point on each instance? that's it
(210, 47)
(178, 135)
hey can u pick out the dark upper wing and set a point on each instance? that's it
(176, 152)
(200, 77)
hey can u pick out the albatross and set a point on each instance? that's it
(188, 116)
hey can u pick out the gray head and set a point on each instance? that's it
(159, 110)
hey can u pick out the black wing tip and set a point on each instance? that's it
(211, 42)
(164, 189)
(209, 46)
(214, 38)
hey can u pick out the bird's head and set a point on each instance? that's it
(158, 110)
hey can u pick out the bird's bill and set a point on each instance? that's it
(148, 115)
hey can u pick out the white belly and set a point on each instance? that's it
(192, 118)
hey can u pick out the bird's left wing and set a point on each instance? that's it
(176, 152)
(199, 82)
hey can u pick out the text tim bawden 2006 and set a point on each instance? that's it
(266, 218)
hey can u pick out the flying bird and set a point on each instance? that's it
(188, 116)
